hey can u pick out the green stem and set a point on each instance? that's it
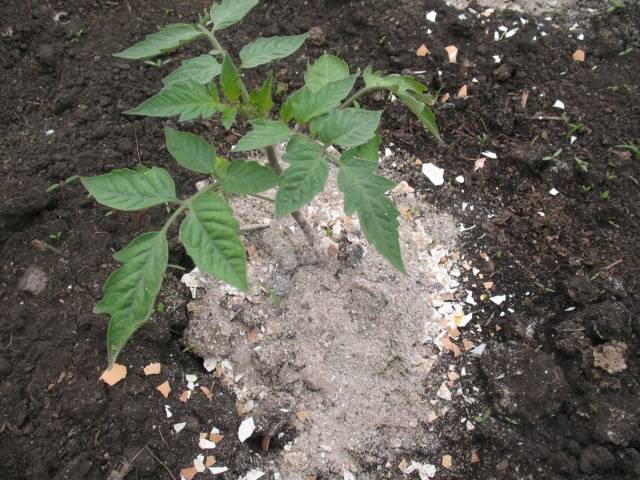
(262, 197)
(354, 97)
(184, 205)
(223, 53)
(270, 151)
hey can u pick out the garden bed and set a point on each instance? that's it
(554, 393)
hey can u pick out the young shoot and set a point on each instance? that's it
(323, 113)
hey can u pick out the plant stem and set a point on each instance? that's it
(184, 205)
(262, 197)
(354, 97)
(270, 151)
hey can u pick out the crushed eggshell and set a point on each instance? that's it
(210, 461)
(553, 192)
(216, 437)
(463, 91)
(253, 474)
(559, 104)
(444, 393)
(467, 344)
(431, 16)
(246, 429)
(204, 443)
(402, 466)
(167, 410)
(424, 470)
(218, 470)
(479, 164)
(178, 427)
(164, 389)
(498, 299)
(579, 55)
(198, 463)
(113, 375)
(152, 369)
(185, 396)
(452, 52)
(433, 173)
(422, 51)
(210, 364)
(474, 457)
(490, 155)
(207, 392)
(188, 473)
(447, 462)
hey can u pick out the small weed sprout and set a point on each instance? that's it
(633, 148)
(323, 113)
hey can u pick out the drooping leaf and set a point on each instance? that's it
(190, 151)
(326, 69)
(265, 50)
(230, 12)
(130, 291)
(248, 178)
(229, 117)
(211, 236)
(423, 112)
(304, 105)
(167, 39)
(131, 190)
(349, 127)
(261, 98)
(305, 177)
(201, 69)
(397, 83)
(364, 193)
(230, 81)
(264, 134)
(188, 98)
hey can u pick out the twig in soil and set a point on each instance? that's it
(160, 462)
(253, 228)
(10, 341)
(546, 117)
(608, 267)
(127, 466)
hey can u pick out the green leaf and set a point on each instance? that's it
(305, 105)
(326, 69)
(265, 50)
(201, 69)
(364, 193)
(349, 127)
(130, 291)
(220, 167)
(190, 151)
(211, 237)
(230, 81)
(261, 98)
(167, 39)
(230, 12)
(305, 177)
(131, 190)
(264, 134)
(188, 98)
(248, 178)
(368, 151)
(229, 117)
(423, 112)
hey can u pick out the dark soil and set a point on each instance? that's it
(553, 415)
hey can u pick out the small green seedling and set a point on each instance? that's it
(634, 149)
(604, 195)
(615, 5)
(582, 165)
(550, 158)
(586, 188)
(320, 115)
